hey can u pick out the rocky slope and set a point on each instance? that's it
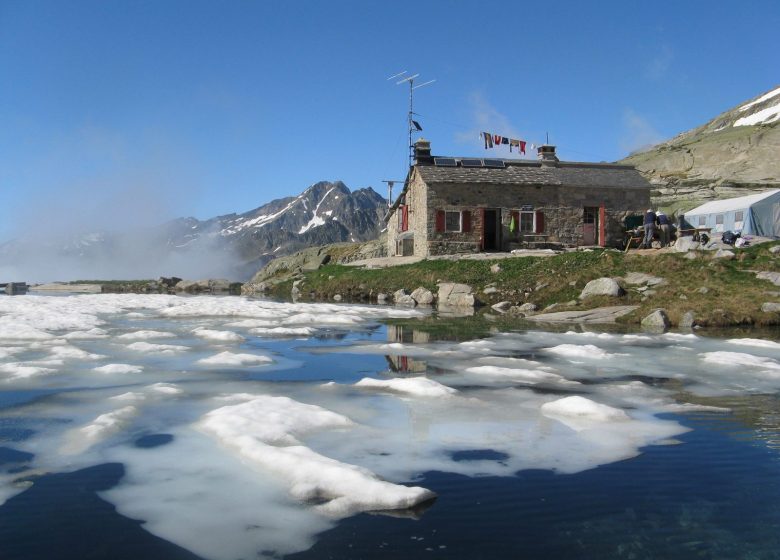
(234, 245)
(734, 154)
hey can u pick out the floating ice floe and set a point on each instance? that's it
(146, 335)
(520, 375)
(233, 359)
(283, 331)
(81, 439)
(740, 359)
(16, 370)
(72, 353)
(118, 368)
(579, 351)
(265, 431)
(757, 342)
(581, 407)
(218, 336)
(415, 386)
(156, 348)
(90, 334)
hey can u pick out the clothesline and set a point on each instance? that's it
(494, 140)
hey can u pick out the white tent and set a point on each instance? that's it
(756, 214)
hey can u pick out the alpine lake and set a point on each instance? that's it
(167, 427)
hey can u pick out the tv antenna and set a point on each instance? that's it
(390, 190)
(414, 126)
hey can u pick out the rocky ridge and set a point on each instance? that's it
(734, 154)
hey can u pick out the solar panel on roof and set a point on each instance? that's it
(471, 162)
(445, 162)
(497, 163)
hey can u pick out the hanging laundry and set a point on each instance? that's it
(533, 146)
(488, 140)
(512, 225)
(505, 140)
(522, 147)
(513, 142)
(497, 139)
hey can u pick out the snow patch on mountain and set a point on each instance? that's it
(765, 97)
(764, 116)
(315, 219)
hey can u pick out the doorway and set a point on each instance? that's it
(491, 230)
(590, 225)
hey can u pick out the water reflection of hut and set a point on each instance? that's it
(406, 364)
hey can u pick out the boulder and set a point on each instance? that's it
(657, 320)
(381, 298)
(528, 308)
(685, 244)
(422, 296)
(770, 307)
(490, 290)
(642, 278)
(773, 277)
(502, 306)
(337, 297)
(688, 320)
(455, 295)
(314, 262)
(400, 297)
(173, 280)
(496, 268)
(219, 285)
(774, 249)
(601, 287)
(724, 254)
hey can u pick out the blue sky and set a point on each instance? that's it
(119, 112)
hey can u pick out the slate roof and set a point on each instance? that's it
(569, 174)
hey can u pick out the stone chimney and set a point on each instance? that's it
(546, 154)
(422, 151)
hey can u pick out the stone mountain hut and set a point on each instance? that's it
(468, 205)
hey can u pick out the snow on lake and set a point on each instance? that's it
(271, 422)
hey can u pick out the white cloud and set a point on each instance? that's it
(487, 118)
(638, 134)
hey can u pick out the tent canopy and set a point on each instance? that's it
(755, 214)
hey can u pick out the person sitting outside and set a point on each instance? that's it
(649, 226)
(666, 228)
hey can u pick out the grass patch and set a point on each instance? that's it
(719, 292)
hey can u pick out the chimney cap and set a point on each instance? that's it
(422, 151)
(546, 154)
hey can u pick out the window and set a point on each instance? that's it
(719, 219)
(452, 221)
(739, 216)
(702, 220)
(526, 222)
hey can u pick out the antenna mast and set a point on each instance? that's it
(413, 125)
(390, 191)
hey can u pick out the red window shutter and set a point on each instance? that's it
(466, 217)
(405, 223)
(439, 221)
(602, 225)
(539, 222)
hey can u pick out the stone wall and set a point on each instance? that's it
(562, 207)
(417, 201)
